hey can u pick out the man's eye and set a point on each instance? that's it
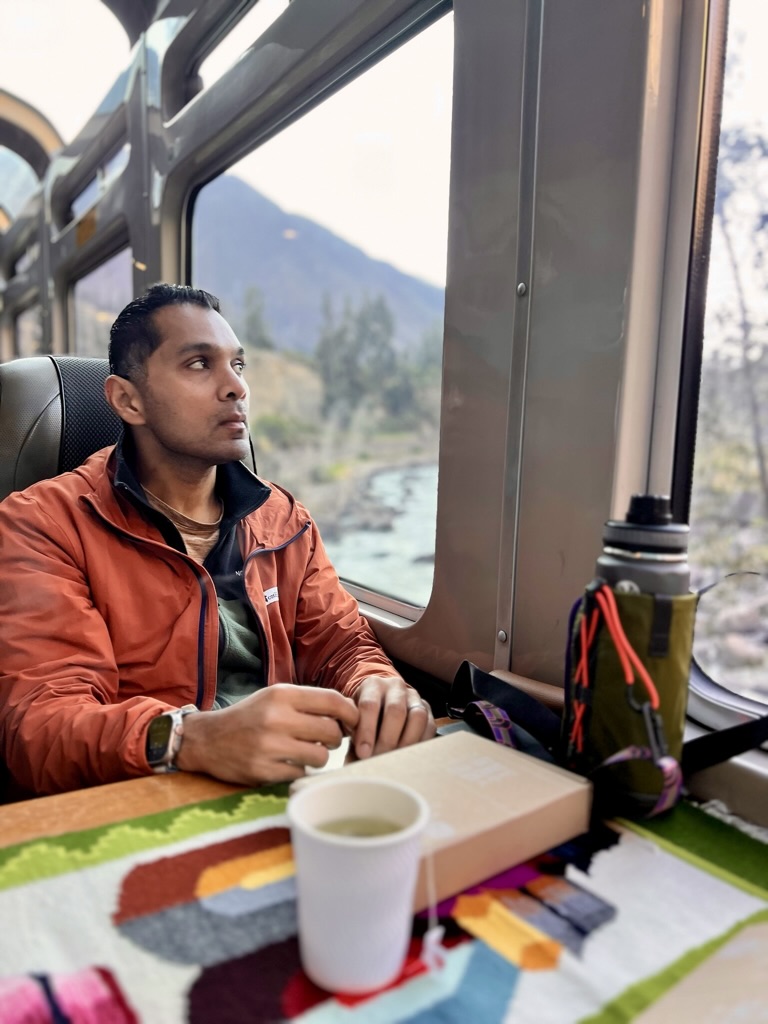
(239, 367)
(198, 364)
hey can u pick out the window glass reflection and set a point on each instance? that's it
(30, 256)
(98, 298)
(104, 178)
(731, 639)
(19, 182)
(236, 42)
(29, 332)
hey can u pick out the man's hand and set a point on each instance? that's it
(269, 736)
(392, 714)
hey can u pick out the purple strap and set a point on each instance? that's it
(671, 773)
(495, 718)
(498, 722)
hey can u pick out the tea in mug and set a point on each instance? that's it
(360, 827)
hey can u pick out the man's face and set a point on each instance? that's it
(193, 395)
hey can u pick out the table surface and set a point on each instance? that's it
(106, 805)
(111, 803)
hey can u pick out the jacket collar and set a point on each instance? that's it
(240, 490)
(110, 486)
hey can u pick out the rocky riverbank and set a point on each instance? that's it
(357, 504)
(334, 474)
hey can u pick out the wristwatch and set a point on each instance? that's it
(164, 738)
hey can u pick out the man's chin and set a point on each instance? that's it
(236, 452)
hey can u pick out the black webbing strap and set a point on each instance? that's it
(715, 747)
(471, 684)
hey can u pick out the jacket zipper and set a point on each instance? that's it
(199, 576)
(257, 618)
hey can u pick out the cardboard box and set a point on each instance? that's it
(492, 807)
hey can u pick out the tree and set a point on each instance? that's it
(255, 332)
(731, 484)
(357, 360)
(741, 222)
(337, 362)
(428, 356)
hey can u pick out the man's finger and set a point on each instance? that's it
(417, 724)
(315, 729)
(369, 707)
(313, 700)
(394, 718)
(306, 755)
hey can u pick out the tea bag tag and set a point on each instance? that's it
(432, 948)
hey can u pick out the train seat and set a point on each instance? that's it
(53, 415)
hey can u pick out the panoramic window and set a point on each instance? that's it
(98, 298)
(97, 186)
(237, 41)
(19, 182)
(29, 332)
(62, 57)
(729, 510)
(30, 255)
(327, 247)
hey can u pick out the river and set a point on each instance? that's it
(398, 561)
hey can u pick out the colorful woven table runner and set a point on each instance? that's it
(189, 915)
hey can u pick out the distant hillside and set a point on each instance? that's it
(242, 239)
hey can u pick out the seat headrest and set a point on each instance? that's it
(53, 415)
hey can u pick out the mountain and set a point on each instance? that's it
(241, 239)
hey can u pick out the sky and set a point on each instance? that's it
(371, 164)
(747, 102)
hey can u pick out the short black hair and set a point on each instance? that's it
(133, 336)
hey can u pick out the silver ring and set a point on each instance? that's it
(415, 707)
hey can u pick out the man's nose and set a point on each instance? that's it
(234, 384)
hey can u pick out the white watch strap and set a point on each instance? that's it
(168, 764)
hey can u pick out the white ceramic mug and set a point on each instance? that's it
(355, 893)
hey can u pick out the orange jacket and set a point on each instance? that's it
(103, 625)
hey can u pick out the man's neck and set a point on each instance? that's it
(189, 490)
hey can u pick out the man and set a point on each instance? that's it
(163, 578)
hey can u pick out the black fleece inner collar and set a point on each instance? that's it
(240, 491)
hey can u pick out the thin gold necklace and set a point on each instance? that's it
(182, 515)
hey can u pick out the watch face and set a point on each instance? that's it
(158, 738)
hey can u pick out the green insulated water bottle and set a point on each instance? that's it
(631, 654)
(646, 553)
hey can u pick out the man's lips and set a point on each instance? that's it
(233, 421)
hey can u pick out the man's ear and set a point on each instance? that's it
(125, 399)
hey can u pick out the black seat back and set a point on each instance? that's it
(53, 415)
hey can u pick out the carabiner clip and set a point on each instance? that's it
(654, 727)
(635, 704)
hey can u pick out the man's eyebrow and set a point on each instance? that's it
(205, 346)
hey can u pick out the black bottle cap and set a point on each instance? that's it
(649, 510)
